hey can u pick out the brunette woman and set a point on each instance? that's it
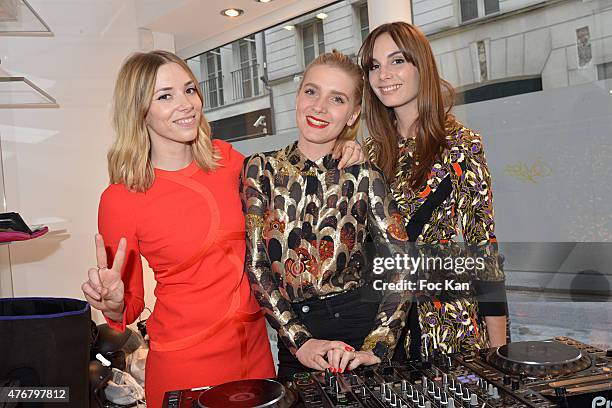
(439, 177)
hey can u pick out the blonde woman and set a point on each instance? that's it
(307, 223)
(174, 199)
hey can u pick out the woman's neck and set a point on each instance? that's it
(171, 159)
(314, 151)
(406, 115)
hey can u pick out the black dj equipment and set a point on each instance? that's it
(44, 342)
(534, 374)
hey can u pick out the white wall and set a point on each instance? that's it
(55, 159)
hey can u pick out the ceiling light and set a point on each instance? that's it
(232, 12)
(321, 16)
(289, 27)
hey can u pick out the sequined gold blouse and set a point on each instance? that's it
(306, 226)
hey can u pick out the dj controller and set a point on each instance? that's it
(534, 374)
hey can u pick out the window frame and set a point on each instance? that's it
(316, 44)
(480, 11)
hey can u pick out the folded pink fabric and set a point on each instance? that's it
(9, 236)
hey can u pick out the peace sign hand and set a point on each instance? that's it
(104, 289)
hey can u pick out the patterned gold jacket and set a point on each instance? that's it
(306, 226)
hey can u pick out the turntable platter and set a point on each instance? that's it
(539, 358)
(243, 394)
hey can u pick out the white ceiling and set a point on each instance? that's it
(198, 25)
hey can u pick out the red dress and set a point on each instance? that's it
(206, 328)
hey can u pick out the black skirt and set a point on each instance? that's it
(347, 317)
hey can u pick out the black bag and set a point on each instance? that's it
(44, 342)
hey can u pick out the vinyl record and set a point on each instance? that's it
(243, 394)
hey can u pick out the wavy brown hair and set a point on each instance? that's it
(434, 103)
(129, 158)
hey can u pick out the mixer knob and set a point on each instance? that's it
(449, 362)
(394, 400)
(427, 404)
(327, 375)
(474, 400)
(415, 396)
(451, 403)
(452, 386)
(404, 386)
(507, 380)
(353, 380)
(388, 394)
(383, 389)
(458, 389)
(424, 382)
(438, 394)
(609, 353)
(409, 391)
(495, 393)
(515, 384)
(443, 399)
(431, 388)
(333, 381)
(466, 394)
(444, 379)
(490, 390)
(560, 391)
(421, 402)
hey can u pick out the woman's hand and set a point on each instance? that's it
(349, 359)
(312, 353)
(349, 153)
(104, 289)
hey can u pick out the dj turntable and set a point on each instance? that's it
(534, 374)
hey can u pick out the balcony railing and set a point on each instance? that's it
(212, 90)
(246, 82)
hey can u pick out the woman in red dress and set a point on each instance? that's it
(174, 199)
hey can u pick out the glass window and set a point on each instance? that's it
(491, 6)
(313, 41)
(246, 79)
(604, 71)
(363, 22)
(536, 83)
(469, 10)
(212, 87)
(472, 9)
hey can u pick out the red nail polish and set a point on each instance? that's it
(340, 370)
(348, 348)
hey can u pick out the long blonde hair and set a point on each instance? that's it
(341, 61)
(129, 158)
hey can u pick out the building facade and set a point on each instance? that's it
(486, 48)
